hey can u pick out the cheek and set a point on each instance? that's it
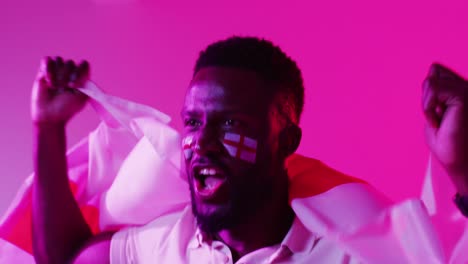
(187, 153)
(267, 149)
(240, 147)
(269, 161)
(188, 143)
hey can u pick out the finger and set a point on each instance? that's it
(69, 69)
(82, 74)
(430, 104)
(449, 86)
(433, 115)
(442, 72)
(43, 83)
(42, 72)
(50, 70)
(443, 82)
(60, 72)
(430, 90)
(59, 61)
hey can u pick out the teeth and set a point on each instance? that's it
(208, 171)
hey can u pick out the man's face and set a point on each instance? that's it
(226, 184)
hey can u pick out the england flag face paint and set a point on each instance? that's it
(188, 144)
(240, 147)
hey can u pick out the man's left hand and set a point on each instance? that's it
(445, 105)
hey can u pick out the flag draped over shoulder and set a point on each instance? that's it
(127, 172)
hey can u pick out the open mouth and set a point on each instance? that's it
(208, 180)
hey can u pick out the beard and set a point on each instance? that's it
(224, 217)
(246, 197)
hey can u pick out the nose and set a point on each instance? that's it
(208, 142)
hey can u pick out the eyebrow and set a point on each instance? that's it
(186, 112)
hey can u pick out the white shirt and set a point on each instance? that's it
(175, 238)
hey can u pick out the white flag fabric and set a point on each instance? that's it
(451, 225)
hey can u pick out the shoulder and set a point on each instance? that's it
(318, 190)
(309, 177)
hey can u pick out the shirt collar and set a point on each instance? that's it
(298, 239)
(198, 239)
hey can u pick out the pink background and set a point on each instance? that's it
(363, 63)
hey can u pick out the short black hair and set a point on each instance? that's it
(264, 58)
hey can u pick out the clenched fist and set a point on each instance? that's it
(55, 96)
(445, 105)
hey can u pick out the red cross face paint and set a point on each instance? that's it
(240, 147)
(188, 144)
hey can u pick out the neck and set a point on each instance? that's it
(267, 227)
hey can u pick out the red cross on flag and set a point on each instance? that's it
(187, 147)
(240, 146)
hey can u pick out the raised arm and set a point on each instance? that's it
(445, 105)
(59, 229)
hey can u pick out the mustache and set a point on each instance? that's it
(209, 160)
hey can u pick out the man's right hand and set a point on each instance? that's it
(55, 95)
(60, 231)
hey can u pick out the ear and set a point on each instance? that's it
(290, 138)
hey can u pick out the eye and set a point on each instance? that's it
(191, 122)
(231, 122)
